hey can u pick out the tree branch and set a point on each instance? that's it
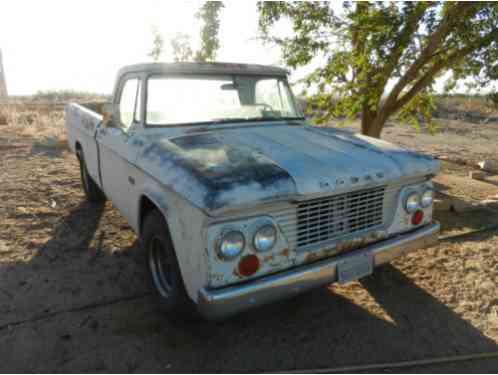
(401, 41)
(358, 43)
(435, 41)
(418, 86)
(426, 79)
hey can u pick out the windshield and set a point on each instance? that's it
(173, 100)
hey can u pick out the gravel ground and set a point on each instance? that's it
(74, 294)
(455, 139)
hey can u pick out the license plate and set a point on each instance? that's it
(354, 268)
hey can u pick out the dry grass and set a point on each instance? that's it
(39, 119)
(43, 125)
(65, 96)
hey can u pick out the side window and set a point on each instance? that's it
(267, 92)
(274, 93)
(129, 103)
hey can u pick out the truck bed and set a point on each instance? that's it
(81, 121)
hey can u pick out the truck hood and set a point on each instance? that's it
(229, 167)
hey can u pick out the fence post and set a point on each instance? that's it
(3, 83)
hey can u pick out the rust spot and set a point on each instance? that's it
(268, 258)
(312, 257)
(203, 299)
(285, 252)
(344, 247)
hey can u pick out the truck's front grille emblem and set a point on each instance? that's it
(323, 219)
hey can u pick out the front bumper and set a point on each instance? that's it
(220, 303)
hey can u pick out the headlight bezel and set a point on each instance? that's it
(258, 230)
(425, 191)
(409, 195)
(223, 237)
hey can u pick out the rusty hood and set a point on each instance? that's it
(252, 164)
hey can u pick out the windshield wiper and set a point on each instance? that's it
(254, 119)
(232, 119)
(291, 118)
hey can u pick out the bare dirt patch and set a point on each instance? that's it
(74, 294)
(455, 139)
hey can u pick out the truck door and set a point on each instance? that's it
(116, 156)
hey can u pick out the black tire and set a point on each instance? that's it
(90, 187)
(164, 271)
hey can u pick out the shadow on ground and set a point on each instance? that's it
(65, 322)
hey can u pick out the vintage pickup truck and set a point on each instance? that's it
(236, 200)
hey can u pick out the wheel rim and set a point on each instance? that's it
(160, 267)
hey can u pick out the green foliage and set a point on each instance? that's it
(180, 45)
(493, 98)
(209, 14)
(157, 45)
(381, 58)
(419, 111)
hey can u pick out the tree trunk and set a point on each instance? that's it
(367, 118)
(372, 122)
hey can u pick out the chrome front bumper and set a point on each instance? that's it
(220, 303)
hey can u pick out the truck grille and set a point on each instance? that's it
(324, 219)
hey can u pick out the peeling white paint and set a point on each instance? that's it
(204, 178)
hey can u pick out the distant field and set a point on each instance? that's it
(461, 106)
(58, 96)
(472, 108)
(40, 117)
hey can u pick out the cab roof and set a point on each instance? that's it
(203, 68)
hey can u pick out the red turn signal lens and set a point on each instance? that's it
(248, 265)
(417, 217)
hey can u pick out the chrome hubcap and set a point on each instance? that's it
(160, 268)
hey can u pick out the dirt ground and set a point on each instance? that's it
(454, 139)
(74, 294)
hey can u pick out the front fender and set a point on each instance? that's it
(158, 201)
(186, 228)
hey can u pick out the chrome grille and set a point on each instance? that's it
(323, 219)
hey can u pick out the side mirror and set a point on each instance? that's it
(108, 115)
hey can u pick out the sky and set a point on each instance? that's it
(80, 45)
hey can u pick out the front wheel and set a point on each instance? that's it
(164, 269)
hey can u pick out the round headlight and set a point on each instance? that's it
(265, 238)
(427, 198)
(231, 244)
(412, 202)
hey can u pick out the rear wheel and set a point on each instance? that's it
(92, 191)
(165, 275)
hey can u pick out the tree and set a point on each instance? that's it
(209, 15)
(180, 45)
(378, 59)
(157, 45)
